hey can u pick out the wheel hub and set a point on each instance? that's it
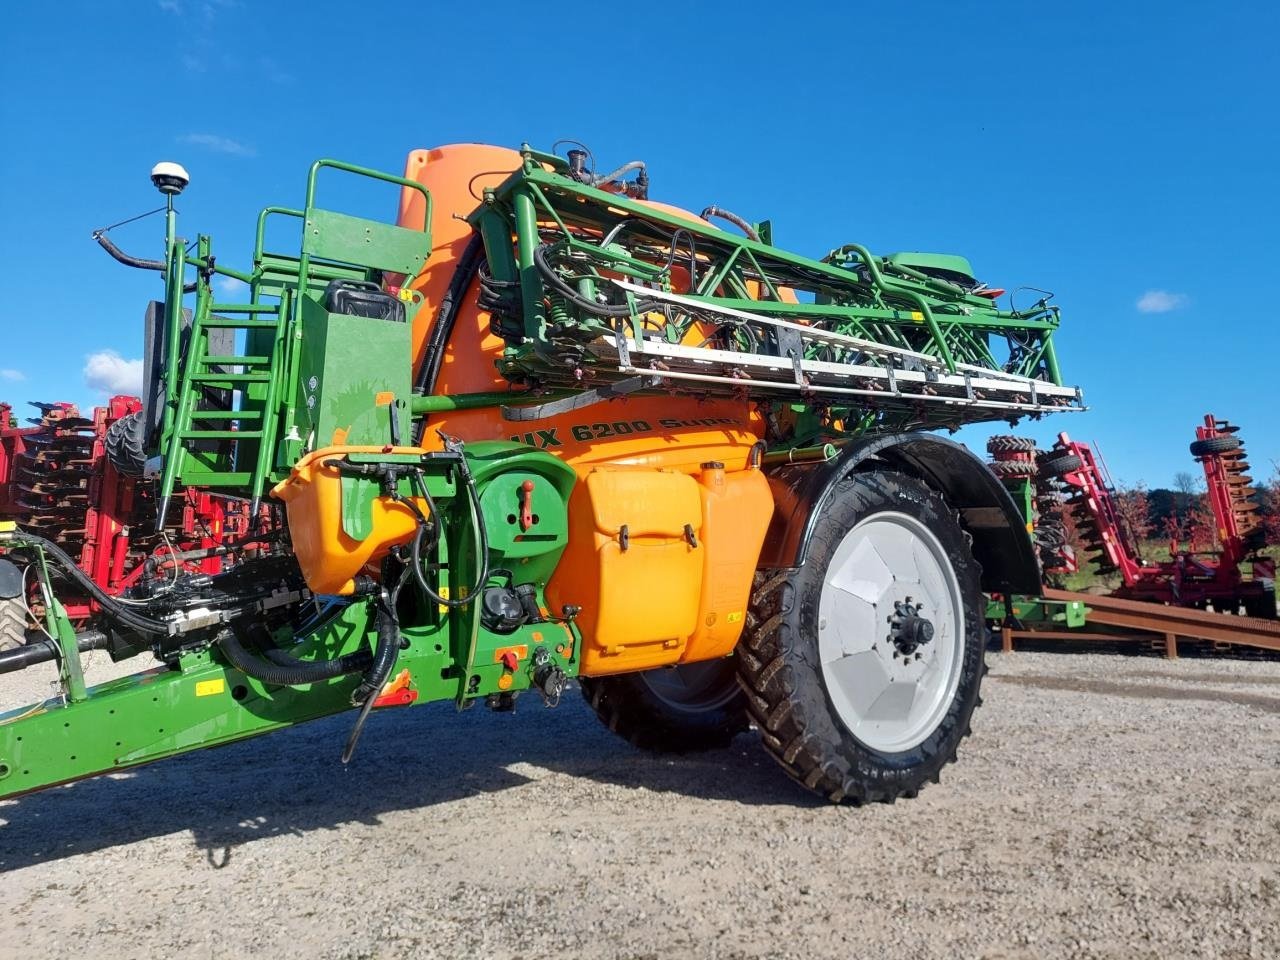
(909, 629)
(891, 631)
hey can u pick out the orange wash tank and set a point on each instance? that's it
(669, 513)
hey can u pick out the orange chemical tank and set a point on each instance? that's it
(640, 462)
(335, 540)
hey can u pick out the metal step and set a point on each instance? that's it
(226, 414)
(221, 434)
(222, 323)
(229, 361)
(220, 378)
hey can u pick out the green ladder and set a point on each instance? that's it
(334, 246)
(249, 423)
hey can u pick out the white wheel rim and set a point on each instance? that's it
(890, 697)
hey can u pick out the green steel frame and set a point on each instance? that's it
(197, 698)
(595, 235)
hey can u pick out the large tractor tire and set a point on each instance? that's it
(863, 666)
(126, 445)
(1055, 464)
(682, 709)
(13, 623)
(1210, 445)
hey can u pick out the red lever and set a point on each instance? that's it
(510, 660)
(526, 505)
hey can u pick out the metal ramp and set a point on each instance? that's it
(1143, 621)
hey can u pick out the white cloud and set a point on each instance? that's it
(110, 373)
(229, 286)
(1161, 301)
(218, 144)
(8, 373)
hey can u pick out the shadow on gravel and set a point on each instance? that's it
(291, 781)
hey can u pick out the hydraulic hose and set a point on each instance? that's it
(482, 542)
(729, 215)
(446, 315)
(562, 287)
(282, 670)
(384, 657)
(109, 603)
(132, 261)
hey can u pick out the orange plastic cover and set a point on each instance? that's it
(331, 559)
(631, 567)
(736, 509)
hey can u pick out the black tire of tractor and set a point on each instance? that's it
(1004, 443)
(125, 443)
(1202, 448)
(1013, 469)
(1059, 464)
(779, 665)
(13, 623)
(632, 709)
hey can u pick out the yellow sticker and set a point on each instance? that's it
(443, 593)
(734, 617)
(209, 688)
(917, 316)
(406, 294)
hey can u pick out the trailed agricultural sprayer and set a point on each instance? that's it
(544, 428)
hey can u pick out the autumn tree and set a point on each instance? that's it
(1133, 509)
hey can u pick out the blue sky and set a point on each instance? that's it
(1122, 155)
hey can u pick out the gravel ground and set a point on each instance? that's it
(1105, 807)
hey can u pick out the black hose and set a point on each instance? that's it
(109, 603)
(482, 535)
(446, 316)
(562, 287)
(129, 261)
(349, 662)
(283, 670)
(737, 221)
(132, 261)
(384, 657)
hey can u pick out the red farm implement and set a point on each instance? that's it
(57, 478)
(1205, 578)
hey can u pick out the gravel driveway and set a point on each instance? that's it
(1105, 807)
